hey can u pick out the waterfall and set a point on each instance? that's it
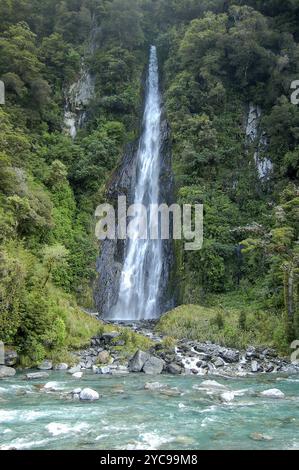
(138, 296)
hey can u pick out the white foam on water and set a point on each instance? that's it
(8, 416)
(58, 429)
(7, 431)
(101, 436)
(23, 444)
(149, 441)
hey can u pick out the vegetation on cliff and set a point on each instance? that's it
(216, 56)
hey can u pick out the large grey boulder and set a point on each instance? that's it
(6, 372)
(61, 366)
(11, 357)
(89, 395)
(273, 393)
(138, 360)
(74, 370)
(108, 337)
(254, 366)
(45, 365)
(153, 366)
(153, 386)
(229, 355)
(174, 369)
(37, 375)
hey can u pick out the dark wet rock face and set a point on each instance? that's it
(112, 252)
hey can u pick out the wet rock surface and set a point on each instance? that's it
(187, 357)
(7, 372)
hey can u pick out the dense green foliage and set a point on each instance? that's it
(216, 56)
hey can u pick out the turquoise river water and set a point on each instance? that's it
(129, 417)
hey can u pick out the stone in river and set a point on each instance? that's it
(138, 360)
(62, 366)
(153, 386)
(78, 375)
(174, 369)
(37, 375)
(256, 436)
(273, 393)
(153, 366)
(89, 395)
(45, 365)
(74, 369)
(6, 372)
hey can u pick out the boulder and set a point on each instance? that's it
(74, 370)
(254, 366)
(218, 362)
(210, 385)
(227, 396)
(229, 355)
(51, 386)
(174, 369)
(37, 375)
(104, 357)
(108, 337)
(89, 395)
(77, 375)
(77, 391)
(251, 352)
(153, 366)
(10, 357)
(45, 365)
(61, 366)
(256, 436)
(6, 372)
(273, 393)
(152, 386)
(137, 362)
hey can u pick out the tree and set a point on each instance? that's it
(53, 257)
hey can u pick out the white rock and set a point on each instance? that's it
(52, 386)
(45, 365)
(6, 372)
(119, 372)
(228, 396)
(104, 370)
(78, 375)
(212, 384)
(153, 386)
(62, 366)
(273, 393)
(77, 391)
(74, 369)
(89, 395)
(37, 375)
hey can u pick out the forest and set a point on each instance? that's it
(218, 59)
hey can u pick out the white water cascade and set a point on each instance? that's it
(138, 297)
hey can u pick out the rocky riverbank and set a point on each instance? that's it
(105, 356)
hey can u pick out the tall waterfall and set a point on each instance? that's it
(140, 279)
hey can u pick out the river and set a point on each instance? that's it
(129, 417)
